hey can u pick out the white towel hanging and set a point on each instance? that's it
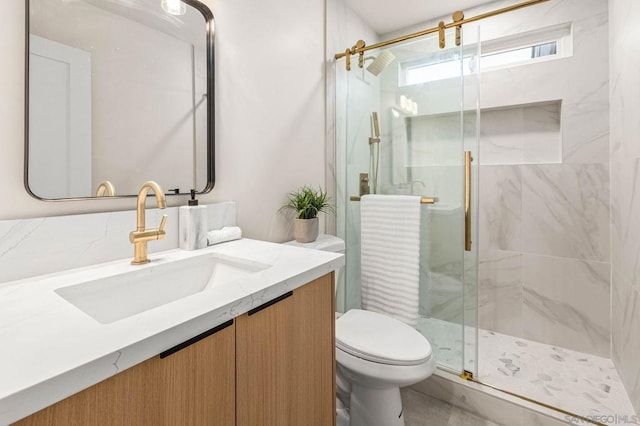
(390, 255)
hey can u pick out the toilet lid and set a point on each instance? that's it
(380, 338)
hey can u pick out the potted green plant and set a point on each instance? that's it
(307, 202)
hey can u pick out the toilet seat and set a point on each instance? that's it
(379, 338)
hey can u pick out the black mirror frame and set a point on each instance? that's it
(210, 29)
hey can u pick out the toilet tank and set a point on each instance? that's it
(329, 243)
(324, 242)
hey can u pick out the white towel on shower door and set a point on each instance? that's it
(390, 255)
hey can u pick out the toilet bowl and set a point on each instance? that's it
(376, 355)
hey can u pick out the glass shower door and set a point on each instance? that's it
(412, 98)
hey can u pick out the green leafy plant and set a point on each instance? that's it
(307, 202)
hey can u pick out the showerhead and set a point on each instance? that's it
(376, 125)
(381, 62)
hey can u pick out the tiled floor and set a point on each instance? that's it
(580, 383)
(423, 410)
(573, 381)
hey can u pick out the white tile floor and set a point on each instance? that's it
(580, 383)
(573, 381)
(423, 410)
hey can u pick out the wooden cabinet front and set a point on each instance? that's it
(285, 359)
(192, 386)
(199, 381)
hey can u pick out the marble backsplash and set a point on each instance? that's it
(30, 247)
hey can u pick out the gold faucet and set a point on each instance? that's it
(141, 236)
(106, 188)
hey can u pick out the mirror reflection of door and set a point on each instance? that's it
(141, 111)
(59, 119)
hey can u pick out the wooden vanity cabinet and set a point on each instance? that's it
(285, 359)
(192, 386)
(199, 381)
(272, 366)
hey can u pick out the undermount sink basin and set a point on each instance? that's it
(120, 296)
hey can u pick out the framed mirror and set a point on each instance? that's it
(118, 92)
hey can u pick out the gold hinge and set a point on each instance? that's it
(466, 375)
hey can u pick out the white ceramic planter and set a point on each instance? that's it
(306, 230)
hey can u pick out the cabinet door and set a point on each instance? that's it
(191, 385)
(198, 380)
(285, 359)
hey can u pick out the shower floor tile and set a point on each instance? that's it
(573, 381)
(576, 382)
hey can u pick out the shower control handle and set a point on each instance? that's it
(364, 184)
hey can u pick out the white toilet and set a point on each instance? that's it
(375, 356)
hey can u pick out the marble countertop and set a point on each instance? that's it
(51, 349)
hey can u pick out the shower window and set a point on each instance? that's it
(549, 43)
(435, 71)
(517, 56)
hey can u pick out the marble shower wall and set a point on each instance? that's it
(544, 271)
(544, 184)
(544, 261)
(625, 193)
(544, 180)
(544, 256)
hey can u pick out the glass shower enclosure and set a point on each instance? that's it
(421, 102)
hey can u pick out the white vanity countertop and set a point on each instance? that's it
(50, 349)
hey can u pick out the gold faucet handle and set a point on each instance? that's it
(163, 222)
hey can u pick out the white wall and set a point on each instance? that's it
(269, 113)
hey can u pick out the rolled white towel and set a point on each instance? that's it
(228, 233)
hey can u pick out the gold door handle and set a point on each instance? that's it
(467, 200)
